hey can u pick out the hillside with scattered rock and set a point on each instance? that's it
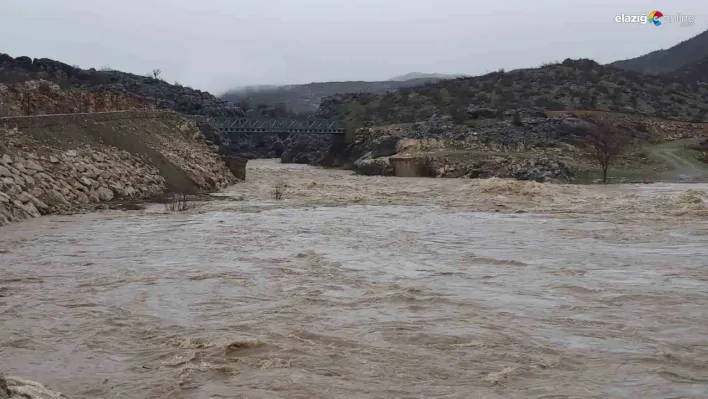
(67, 163)
(693, 73)
(531, 145)
(572, 84)
(111, 82)
(40, 97)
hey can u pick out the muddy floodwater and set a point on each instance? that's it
(367, 287)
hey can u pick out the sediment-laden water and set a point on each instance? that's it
(367, 287)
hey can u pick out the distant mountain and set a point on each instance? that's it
(421, 75)
(306, 98)
(669, 60)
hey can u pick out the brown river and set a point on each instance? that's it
(366, 287)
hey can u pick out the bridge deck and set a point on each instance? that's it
(273, 125)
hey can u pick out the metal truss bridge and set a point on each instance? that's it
(256, 125)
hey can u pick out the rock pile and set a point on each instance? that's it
(541, 170)
(32, 184)
(38, 179)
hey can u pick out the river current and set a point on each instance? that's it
(366, 287)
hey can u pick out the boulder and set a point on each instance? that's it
(32, 165)
(105, 194)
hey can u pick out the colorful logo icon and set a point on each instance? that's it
(654, 17)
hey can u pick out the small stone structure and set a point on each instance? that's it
(237, 166)
(412, 166)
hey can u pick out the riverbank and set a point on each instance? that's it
(66, 163)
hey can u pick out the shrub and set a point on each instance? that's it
(278, 190)
(177, 203)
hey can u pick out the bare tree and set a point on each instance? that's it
(278, 190)
(156, 73)
(607, 143)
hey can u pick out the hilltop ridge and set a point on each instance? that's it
(164, 95)
(572, 84)
(306, 98)
(669, 60)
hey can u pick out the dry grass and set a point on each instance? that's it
(278, 190)
(177, 203)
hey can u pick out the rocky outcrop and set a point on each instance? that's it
(237, 166)
(53, 164)
(373, 167)
(18, 388)
(111, 82)
(541, 170)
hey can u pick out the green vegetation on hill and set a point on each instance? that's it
(669, 60)
(572, 84)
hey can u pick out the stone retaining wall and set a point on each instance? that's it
(65, 163)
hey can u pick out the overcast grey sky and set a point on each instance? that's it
(218, 44)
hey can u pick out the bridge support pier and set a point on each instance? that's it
(236, 165)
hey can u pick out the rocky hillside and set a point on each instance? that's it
(65, 163)
(696, 73)
(39, 97)
(162, 94)
(305, 99)
(669, 60)
(531, 146)
(572, 84)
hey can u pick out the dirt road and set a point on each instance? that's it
(683, 165)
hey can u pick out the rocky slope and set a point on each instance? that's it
(110, 82)
(572, 84)
(40, 97)
(669, 60)
(306, 98)
(693, 73)
(532, 146)
(64, 163)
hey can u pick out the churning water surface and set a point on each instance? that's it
(359, 287)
